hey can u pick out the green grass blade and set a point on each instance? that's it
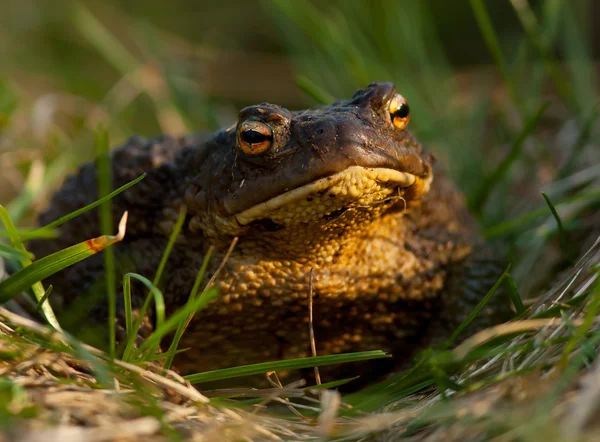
(584, 344)
(311, 89)
(183, 324)
(127, 64)
(477, 309)
(561, 231)
(128, 308)
(48, 228)
(332, 384)
(8, 102)
(580, 143)
(522, 220)
(41, 302)
(159, 302)
(105, 43)
(11, 231)
(588, 322)
(170, 244)
(572, 366)
(541, 43)
(180, 315)
(290, 364)
(100, 369)
(159, 271)
(372, 398)
(201, 273)
(15, 281)
(12, 253)
(49, 265)
(19, 205)
(128, 352)
(26, 234)
(576, 47)
(513, 292)
(498, 174)
(104, 173)
(490, 37)
(514, 224)
(161, 356)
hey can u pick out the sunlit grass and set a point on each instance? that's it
(497, 149)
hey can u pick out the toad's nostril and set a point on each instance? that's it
(320, 131)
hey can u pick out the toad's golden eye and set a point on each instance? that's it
(255, 137)
(399, 112)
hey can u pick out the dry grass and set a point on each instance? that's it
(537, 378)
(53, 394)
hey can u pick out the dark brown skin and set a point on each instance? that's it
(389, 244)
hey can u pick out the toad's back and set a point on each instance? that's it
(344, 192)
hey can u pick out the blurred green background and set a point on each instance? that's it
(503, 92)
(237, 50)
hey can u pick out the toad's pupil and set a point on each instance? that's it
(402, 111)
(253, 137)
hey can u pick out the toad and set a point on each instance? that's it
(339, 201)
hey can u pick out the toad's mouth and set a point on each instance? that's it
(355, 186)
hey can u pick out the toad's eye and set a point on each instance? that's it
(399, 112)
(255, 137)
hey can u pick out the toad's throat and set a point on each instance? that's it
(363, 185)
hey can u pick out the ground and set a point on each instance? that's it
(526, 123)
